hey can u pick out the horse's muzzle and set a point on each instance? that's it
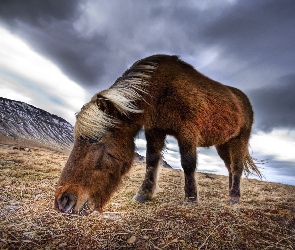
(65, 203)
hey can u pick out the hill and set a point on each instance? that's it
(21, 123)
(265, 218)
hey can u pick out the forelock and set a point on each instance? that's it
(92, 122)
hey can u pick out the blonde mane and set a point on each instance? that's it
(92, 122)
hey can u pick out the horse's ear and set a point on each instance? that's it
(103, 103)
(107, 106)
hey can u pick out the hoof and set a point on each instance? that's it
(190, 201)
(234, 200)
(140, 198)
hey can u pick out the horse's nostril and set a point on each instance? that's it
(66, 202)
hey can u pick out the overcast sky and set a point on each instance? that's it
(56, 54)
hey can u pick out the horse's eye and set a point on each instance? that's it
(92, 140)
(89, 140)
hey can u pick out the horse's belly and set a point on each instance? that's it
(218, 130)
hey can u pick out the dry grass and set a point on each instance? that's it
(265, 218)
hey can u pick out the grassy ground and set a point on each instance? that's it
(265, 218)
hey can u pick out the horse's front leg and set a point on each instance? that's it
(188, 154)
(155, 143)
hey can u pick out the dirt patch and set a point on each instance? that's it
(265, 218)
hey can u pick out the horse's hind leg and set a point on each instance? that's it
(237, 151)
(155, 143)
(223, 152)
(188, 154)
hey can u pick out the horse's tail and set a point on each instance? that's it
(250, 167)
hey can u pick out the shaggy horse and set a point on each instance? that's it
(166, 96)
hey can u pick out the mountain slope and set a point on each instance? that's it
(21, 122)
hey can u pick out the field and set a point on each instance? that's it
(265, 218)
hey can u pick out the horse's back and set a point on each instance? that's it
(185, 103)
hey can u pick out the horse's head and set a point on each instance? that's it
(97, 163)
(91, 174)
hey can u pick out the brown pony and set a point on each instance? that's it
(168, 97)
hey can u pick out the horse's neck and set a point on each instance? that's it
(127, 132)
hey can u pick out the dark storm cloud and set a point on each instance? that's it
(275, 106)
(48, 27)
(37, 12)
(76, 55)
(93, 42)
(255, 30)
